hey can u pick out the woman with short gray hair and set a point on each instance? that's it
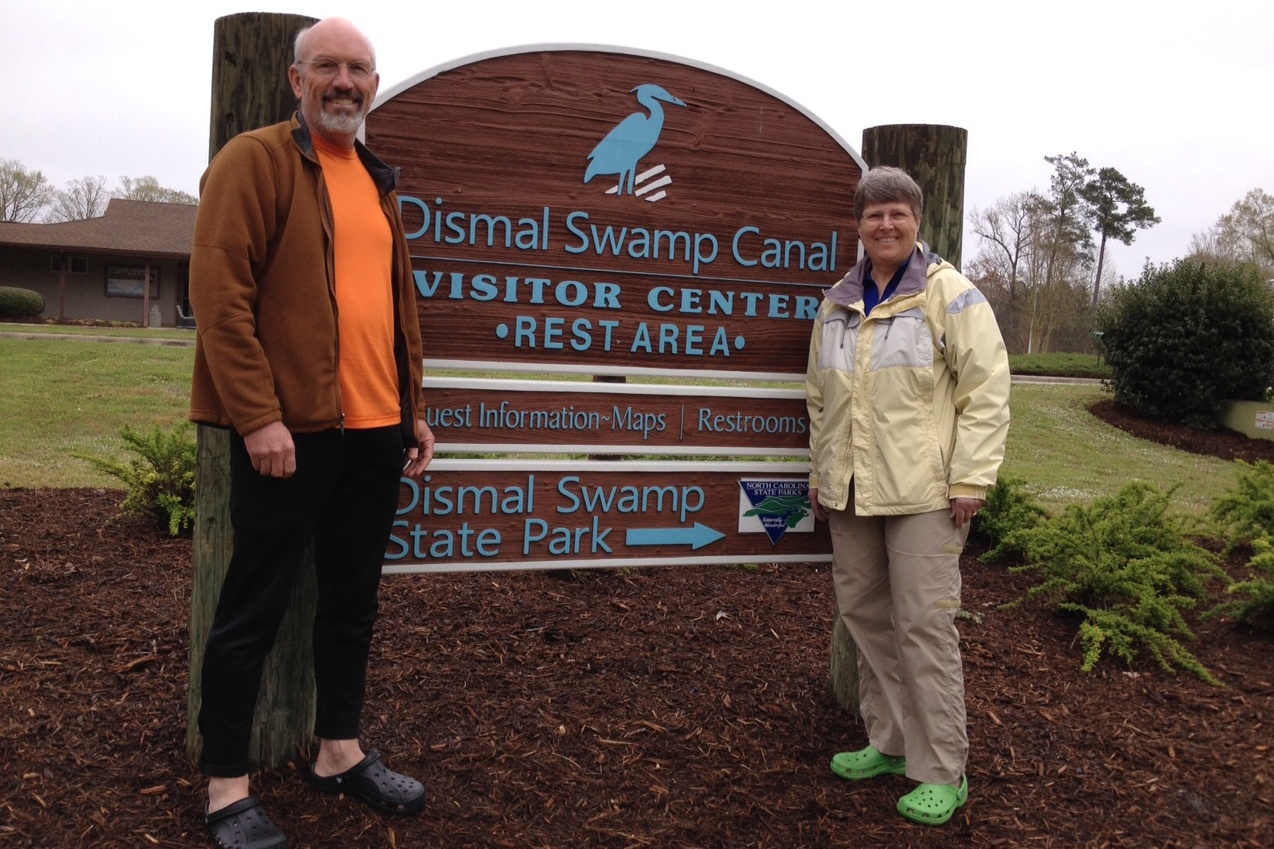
(907, 388)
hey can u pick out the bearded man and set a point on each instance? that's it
(309, 352)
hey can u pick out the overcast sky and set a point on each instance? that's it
(1175, 96)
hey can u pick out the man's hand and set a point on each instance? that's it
(272, 452)
(418, 458)
(964, 509)
(820, 512)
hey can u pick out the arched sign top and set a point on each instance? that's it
(421, 76)
(610, 211)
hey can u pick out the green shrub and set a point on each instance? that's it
(1186, 338)
(1244, 516)
(1246, 512)
(1257, 608)
(161, 479)
(20, 303)
(1008, 509)
(1127, 568)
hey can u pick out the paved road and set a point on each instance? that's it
(1069, 381)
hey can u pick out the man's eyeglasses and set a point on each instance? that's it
(359, 70)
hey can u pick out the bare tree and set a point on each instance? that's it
(84, 198)
(23, 194)
(1062, 248)
(1206, 245)
(1057, 273)
(1249, 227)
(1064, 229)
(148, 188)
(1007, 228)
(1244, 234)
(1038, 245)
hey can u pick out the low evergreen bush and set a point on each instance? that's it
(1246, 512)
(1255, 605)
(1127, 568)
(160, 479)
(20, 303)
(1009, 508)
(1244, 516)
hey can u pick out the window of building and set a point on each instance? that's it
(125, 281)
(74, 264)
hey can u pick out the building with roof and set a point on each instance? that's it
(97, 269)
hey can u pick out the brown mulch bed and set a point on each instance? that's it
(671, 707)
(1226, 444)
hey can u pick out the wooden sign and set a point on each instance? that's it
(544, 416)
(478, 515)
(615, 213)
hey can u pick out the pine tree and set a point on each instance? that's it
(1116, 208)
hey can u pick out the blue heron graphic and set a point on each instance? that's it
(632, 138)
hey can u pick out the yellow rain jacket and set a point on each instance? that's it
(912, 401)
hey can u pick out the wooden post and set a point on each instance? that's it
(63, 261)
(146, 295)
(934, 156)
(844, 667)
(251, 54)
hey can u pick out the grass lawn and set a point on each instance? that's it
(62, 397)
(1067, 456)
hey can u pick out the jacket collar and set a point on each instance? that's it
(384, 176)
(850, 288)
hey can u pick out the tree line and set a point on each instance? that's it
(27, 195)
(1041, 256)
(1245, 234)
(1038, 262)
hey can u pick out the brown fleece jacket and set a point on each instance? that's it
(263, 289)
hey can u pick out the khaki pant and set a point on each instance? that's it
(897, 581)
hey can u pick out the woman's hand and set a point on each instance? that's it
(964, 509)
(820, 512)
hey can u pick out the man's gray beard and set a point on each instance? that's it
(342, 124)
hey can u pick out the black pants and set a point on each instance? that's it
(344, 495)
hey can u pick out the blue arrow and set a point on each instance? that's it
(696, 537)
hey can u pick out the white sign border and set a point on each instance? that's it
(620, 389)
(742, 468)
